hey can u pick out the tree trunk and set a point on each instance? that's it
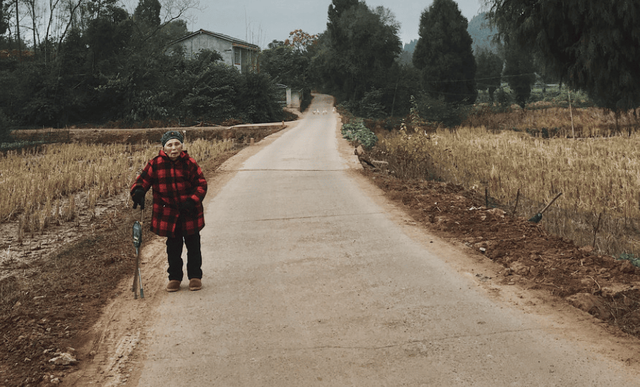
(33, 23)
(18, 33)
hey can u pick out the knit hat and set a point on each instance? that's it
(171, 135)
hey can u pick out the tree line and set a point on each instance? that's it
(103, 65)
(593, 46)
(360, 60)
(100, 63)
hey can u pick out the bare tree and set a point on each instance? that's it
(71, 8)
(34, 12)
(18, 32)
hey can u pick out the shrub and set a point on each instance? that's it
(5, 128)
(635, 261)
(306, 99)
(355, 131)
(504, 101)
(437, 110)
(371, 104)
(258, 98)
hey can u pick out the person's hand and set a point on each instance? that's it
(187, 207)
(138, 197)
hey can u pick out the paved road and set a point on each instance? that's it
(308, 282)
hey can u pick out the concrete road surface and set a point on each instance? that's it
(309, 282)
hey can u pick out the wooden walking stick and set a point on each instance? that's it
(137, 242)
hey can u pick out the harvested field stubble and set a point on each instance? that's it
(544, 120)
(41, 186)
(598, 177)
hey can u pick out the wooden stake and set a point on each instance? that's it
(486, 197)
(516, 206)
(573, 132)
(595, 231)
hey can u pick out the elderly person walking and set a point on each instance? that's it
(179, 187)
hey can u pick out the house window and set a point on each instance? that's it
(237, 56)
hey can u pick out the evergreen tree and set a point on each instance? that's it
(147, 14)
(174, 30)
(489, 70)
(360, 47)
(336, 10)
(593, 45)
(75, 80)
(444, 54)
(3, 20)
(519, 72)
(336, 41)
(285, 64)
(107, 36)
(370, 50)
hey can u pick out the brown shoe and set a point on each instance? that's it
(173, 286)
(195, 284)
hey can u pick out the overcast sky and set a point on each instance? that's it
(262, 21)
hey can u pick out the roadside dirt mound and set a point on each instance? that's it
(607, 288)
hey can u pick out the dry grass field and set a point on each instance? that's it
(544, 119)
(42, 186)
(597, 173)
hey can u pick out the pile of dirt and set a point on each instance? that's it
(607, 288)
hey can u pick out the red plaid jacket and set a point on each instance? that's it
(173, 183)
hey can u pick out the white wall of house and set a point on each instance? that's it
(234, 53)
(207, 42)
(295, 99)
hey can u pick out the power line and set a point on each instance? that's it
(481, 79)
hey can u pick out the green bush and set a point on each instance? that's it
(5, 128)
(258, 99)
(635, 261)
(371, 105)
(437, 110)
(504, 101)
(306, 99)
(355, 131)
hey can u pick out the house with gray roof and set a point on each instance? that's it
(235, 52)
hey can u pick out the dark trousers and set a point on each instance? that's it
(174, 255)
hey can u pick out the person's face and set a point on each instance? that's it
(173, 148)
